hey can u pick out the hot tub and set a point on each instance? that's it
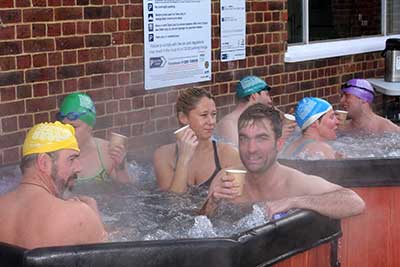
(261, 246)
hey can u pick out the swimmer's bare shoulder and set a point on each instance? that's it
(300, 183)
(75, 222)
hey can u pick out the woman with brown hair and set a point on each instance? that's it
(195, 158)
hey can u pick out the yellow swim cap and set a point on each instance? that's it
(49, 137)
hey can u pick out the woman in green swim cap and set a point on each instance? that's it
(99, 159)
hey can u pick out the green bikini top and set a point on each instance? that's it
(101, 174)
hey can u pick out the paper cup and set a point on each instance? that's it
(289, 118)
(341, 115)
(180, 130)
(239, 178)
(118, 139)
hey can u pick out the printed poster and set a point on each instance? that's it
(177, 39)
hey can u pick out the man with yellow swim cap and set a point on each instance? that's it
(35, 213)
(101, 160)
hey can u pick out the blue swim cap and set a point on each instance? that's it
(250, 85)
(310, 109)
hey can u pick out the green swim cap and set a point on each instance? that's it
(250, 85)
(78, 106)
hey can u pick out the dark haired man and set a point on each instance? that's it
(282, 188)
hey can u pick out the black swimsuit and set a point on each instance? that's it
(217, 165)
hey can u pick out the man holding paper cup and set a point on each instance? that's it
(357, 97)
(282, 188)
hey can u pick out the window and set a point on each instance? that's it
(340, 22)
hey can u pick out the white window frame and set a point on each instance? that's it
(327, 49)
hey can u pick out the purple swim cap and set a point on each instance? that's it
(360, 88)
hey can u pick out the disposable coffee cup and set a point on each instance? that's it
(180, 130)
(341, 115)
(118, 139)
(239, 178)
(289, 118)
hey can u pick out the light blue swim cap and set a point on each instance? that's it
(310, 109)
(250, 85)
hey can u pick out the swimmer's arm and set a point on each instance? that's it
(169, 179)
(119, 170)
(314, 193)
(230, 156)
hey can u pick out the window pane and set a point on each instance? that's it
(393, 16)
(295, 21)
(337, 19)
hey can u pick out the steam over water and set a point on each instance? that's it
(142, 212)
(360, 146)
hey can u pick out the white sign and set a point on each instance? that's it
(177, 39)
(233, 30)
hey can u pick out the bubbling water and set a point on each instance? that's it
(356, 146)
(142, 212)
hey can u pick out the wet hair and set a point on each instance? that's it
(258, 112)
(189, 98)
(29, 160)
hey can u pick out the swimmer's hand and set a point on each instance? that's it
(277, 206)
(187, 143)
(118, 155)
(224, 187)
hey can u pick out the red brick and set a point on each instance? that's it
(55, 59)
(68, 2)
(12, 108)
(123, 51)
(110, 26)
(118, 66)
(24, 62)
(11, 155)
(7, 94)
(97, 81)
(54, 29)
(10, 48)
(84, 83)
(83, 27)
(96, 54)
(70, 85)
(97, 12)
(98, 67)
(69, 43)
(125, 105)
(24, 91)
(69, 57)
(68, 28)
(83, 56)
(97, 27)
(40, 104)
(117, 11)
(110, 80)
(137, 50)
(6, 3)
(7, 33)
(11, 78)
(25, 121)
(54, 3)
(37, 14)
(138, 116)
(38, 45)
(98, 40)
(41, 117)
(68, 13)
(35, 75)
(22, 3)
(40, 89)
(110, 52)
(39, 60)
(123, 79)
(23, 31)
(10, 140)
(7, 63)
(55, 88)
(123, 24)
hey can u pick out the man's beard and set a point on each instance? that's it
(63, 188)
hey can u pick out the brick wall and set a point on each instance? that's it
(51, 48)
